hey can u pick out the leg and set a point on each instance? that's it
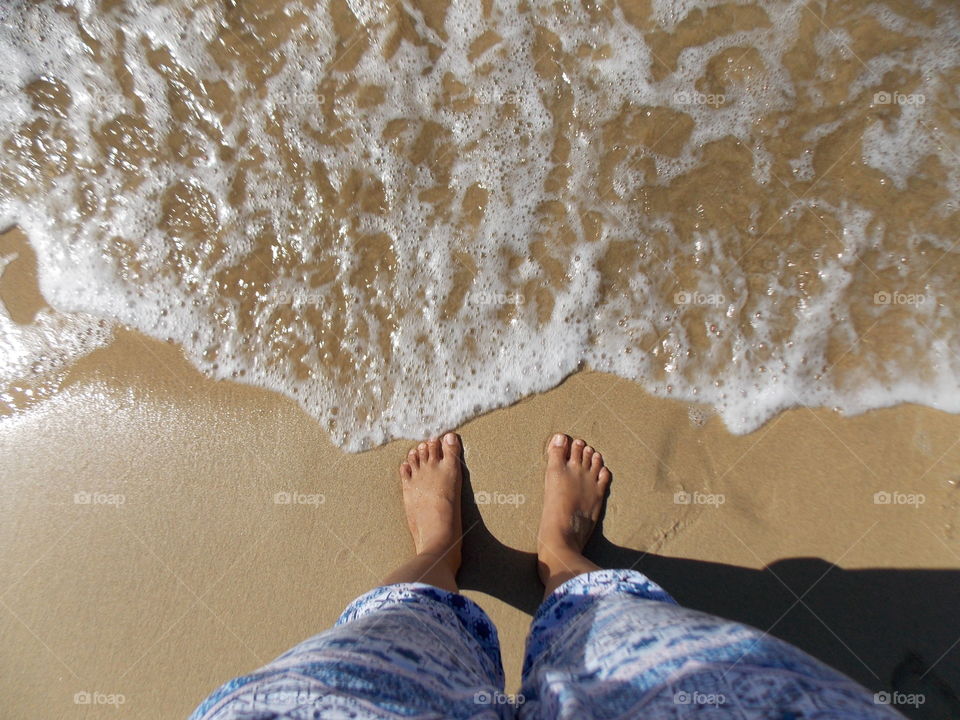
(410, 648)
(613, 644)
(431, 479)
(574, 488)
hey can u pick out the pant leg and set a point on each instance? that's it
(398, 651)
(612, 644)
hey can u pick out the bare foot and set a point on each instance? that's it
(431, 479)
(574, 488)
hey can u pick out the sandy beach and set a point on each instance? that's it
(241, 242)
(147, 554)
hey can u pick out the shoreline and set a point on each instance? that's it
(182, 579)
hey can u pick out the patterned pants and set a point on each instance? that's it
(607, 644)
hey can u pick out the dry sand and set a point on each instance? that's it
(199, 575)
(144, 559)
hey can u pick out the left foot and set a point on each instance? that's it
(431, 480)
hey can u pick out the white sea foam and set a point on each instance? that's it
(159, 128)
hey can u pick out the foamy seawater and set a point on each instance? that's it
(405, 214)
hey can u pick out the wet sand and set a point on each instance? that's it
(748, 205)
(179, 569)
(161, 532)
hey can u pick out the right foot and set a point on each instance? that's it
(575, 485)
(431, 479)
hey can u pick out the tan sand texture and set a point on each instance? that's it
(162, 532)
(179, 569)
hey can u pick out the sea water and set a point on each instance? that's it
(403, 214)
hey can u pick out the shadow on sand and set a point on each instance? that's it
(889, 629)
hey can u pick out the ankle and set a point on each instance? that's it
(557, 563)
(556, 547)
(555, 559)
(441, 552)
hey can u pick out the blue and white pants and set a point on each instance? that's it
(608, 644)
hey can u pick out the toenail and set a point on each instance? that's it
(558, 439)
(422, 446)
(578, 442)
(450, 439)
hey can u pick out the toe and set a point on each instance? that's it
(413, 459)
(423, 452)
(587, 456)
(433, 450)
(559, 450)
(451, 448)
(596, 462)
(576, 454)
(406, 472)
(604, 478)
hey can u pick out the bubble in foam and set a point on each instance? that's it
(306, 206)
